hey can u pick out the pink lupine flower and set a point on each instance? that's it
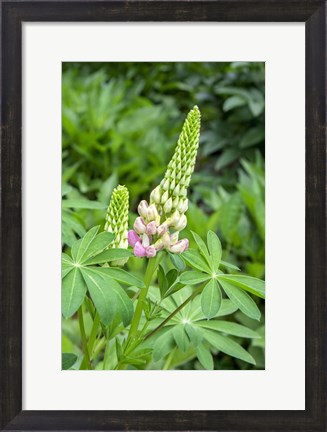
(179, 246)
(139, 225)
(139, 250)
(133, 238)
(150, 251)
(151, 228)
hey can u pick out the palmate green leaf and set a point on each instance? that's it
(229, 265)
(171, 277)
(241, 299)
(174, 288)
(108, 256)
(211, 299)
(215, 250)
(124, 304)
(229, 328)
(253, 285)
(82, 204)
(202, 246)
(73, 292)
(194, 335)
(120, 275)
(227, 346)
(195, 260)
(80, 247)
(177, 261)
(181, 338)
(193, 277)
(163, 345)
(75, 248)
(68, 360)
(101, 293)
(205, 357)
(227, 308)
(168, 282)
(99, 244)
(67, 265)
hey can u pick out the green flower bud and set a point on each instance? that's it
(117, 219)
(164, 197)
(182, 206)
(155, 195)
(165, 186)
(168, 206)
(176, 203)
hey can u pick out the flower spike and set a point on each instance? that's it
(117, 219)
(170, 195)
(160, 222)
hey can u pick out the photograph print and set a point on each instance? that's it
(163, 216)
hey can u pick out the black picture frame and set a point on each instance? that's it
(13, 14)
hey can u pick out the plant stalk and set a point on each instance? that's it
(92, 339)
(151, 268)
(83, 337)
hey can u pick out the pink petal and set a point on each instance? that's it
(150, 251)
(139, 250)
(186, 244)
(133, 238)
(151, 228)
(179, 246)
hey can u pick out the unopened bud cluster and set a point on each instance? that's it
(150, 235)
(159, 223)
(171, 194)
(117, 219)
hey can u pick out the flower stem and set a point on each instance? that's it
(84, 341)
(151, 268)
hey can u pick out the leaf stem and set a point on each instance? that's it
(83, 337)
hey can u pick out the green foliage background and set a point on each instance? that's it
(121, 123)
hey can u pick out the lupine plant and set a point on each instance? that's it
(180, 307)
